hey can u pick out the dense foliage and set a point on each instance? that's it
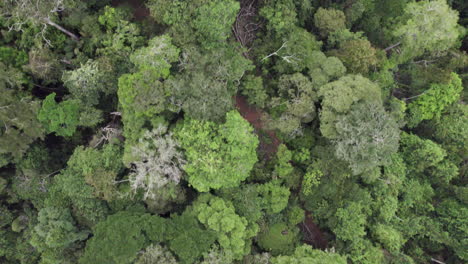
(233, 132)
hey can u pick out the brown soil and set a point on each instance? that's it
(312, 233)
(269, 142)
(140, 12)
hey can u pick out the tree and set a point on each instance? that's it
(357, 55)
(431, 103)
(20, 126)
(279, 238)
(213, 22)
(340, 95)
(274, 196)
(156, 254)
(218, 156)
(86, 83)
(157, 56)
(329, 20)
(233, 231)
(420, 154)
(350, 222)
(187, 238)
(91, 173)
(56, 230)
(323, 69)
(428, 26)
(296, 94)
(367, 137)
(61, 118)
(207, 82)
(156, 163)
(252, 88)
(120, 237)
(281, 16)
(305, 254)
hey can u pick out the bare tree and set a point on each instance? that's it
(158, 162)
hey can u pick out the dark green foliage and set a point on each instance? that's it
(20, 125)
(120, 237)
(208, 81)
(187, 239)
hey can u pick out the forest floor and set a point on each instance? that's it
(269, 142)
(140, 11)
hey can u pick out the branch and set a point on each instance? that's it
(437, 261)
(276, 52)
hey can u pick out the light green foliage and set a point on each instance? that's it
(357, 55)
(60, 118)
(311, 179)
(391, 238)
(187, 238)
(450, 129)
(119, 238)
(340, 95)
(20, 126)
(214, 20)
(279, 238)
(233, 231)
(252, 88)
(430, 26)
(121, 37)
(274, 196)
(295, 215)
(142, 95)
(55, 230)
(454, 216)
(156, 254)
(112, 17)
(339, 37)
(218, 156)
(207, 82)
(351, 222)
(157, 56)
(432, 103)
(329, 20)
(283, 167)
(281, 15)
(86, 83)
(306, 254)
(367, 136)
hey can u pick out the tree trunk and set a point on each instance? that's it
(393, 46)
(51, 23)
